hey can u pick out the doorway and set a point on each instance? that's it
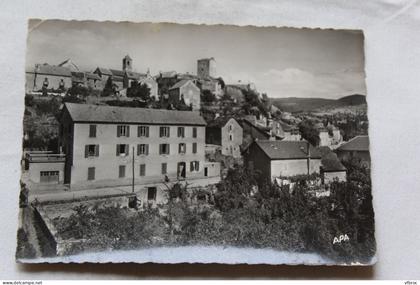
(181, 170)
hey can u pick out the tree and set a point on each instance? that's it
(108, 89)
(309, 132)
(207, 96)
(139, 90)
(78, 91)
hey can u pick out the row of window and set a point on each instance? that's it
(143, 131)
(92, 150)
(194, 167)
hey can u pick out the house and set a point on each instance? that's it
(50, 77)
(100, 143)
(93, 81)
(227, 133)
(187, 92)
(165, 81)
(357, 147)
(44, 167)
(274, 159)
(252, 131)
(143, 78)
(331, 167)
(329, 135)
(104, 74)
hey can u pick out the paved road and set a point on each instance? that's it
(61, 193)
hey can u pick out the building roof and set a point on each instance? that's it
(278, 150)
(70, 65)
(358, 143)
(168, 74)
(219, 122)
(112, 114)
(105, 71)
(181, 83)
(90, 75)
(117, 73)
(135, 75)
(52, 70)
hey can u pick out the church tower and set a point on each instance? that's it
(206, 67)
(127, 63)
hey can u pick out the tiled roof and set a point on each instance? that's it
(181, 83)
(52, 70)
(135, 75)
(92, 76)
(288, 149)
(105, 71)
(118, 73)
(111, 114)
(220, 122)
(168, 74)
(359, 143)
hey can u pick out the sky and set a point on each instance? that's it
(282, 62)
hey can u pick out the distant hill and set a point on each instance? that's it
(293, 104)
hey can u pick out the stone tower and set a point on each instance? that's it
(127, 63)
(206, 67)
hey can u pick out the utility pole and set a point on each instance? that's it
(132, 188)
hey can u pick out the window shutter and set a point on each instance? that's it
(168, 148)
(127, 148)
(118, 150)
(128, 131)
(147, 149)
(97, 150)
(86, 150)
(169, 132)
(160, 132)
(147, 131)
(138, 149)
(118, 131)
(191, 166)
(138, 131)
(197, 165)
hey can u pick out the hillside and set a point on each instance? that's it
(293, 104)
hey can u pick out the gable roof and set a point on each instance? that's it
(47, 69)
(181, 83)
(278, 150)
(135, 75)
(90, 75)
(110, 114)
(70, 65)
(358, 143)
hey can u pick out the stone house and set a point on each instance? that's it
(275, 159)
(357, 147)
(186, 91)
(47, 76)
(227, 133)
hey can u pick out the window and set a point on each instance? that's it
(181, 132)
(194, 132)
(92, 131)
(164, 148)
(91, 150)
(143, 131)
(194, 150)
(164, 132)
(151, 193)
(91, 173)
(194, 166)
(231, 137)
(164, 168)
(121, 171)
(230, 128)
(142, 149)
(122, 149)
(142, 169)
(182, 148)
(49, 176)
(123, 131)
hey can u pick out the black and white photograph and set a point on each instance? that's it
(169, 143)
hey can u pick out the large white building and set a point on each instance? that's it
(102, 143)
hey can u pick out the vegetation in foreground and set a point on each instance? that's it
(239, 215)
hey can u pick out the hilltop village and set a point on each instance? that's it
(121, 137)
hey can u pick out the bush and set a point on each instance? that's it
(24, 248)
